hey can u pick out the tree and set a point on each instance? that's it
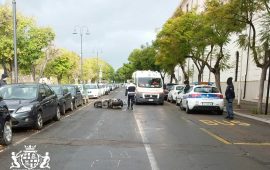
(31, 40)
(32, 44)
(250, 12)
(63, 65)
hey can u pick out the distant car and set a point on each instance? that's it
(76, 94)
(167, 87)
(202, 98)
(5, 124)
(84, 93)
(64, 98)
(92, 90)
(30, 105)
(174, 92)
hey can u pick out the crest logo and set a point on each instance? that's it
(29, 159)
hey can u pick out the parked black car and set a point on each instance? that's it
(64, 98)
(30, 105)
(76, 94)
(5, 124)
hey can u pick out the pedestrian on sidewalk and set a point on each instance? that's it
(130, 92)
(3, 80)
(230, 95)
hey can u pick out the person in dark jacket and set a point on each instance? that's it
(230, 95)
(187, 86)
(130, 92)
(3, 80)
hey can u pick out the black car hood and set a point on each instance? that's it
(15, 104)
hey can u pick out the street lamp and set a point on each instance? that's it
(81, 30)
(15, 41)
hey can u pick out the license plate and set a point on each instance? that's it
(207, 104)
(150, 100)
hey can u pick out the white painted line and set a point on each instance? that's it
(147, 147)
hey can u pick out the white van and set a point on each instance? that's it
(149, 87)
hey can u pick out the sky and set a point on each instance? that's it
(116, 27)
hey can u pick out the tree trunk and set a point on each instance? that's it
(59, 79)
(33, 70)
(217, 80)
(261, 89)
(200, 77)
(184, 72)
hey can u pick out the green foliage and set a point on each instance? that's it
(64, 65)
(31, 40)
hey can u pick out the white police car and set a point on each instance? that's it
(202, 98)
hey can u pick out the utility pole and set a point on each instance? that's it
(268, 85)
(15, 41)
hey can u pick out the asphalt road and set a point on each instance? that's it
(149, 137)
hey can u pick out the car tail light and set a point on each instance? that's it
(194, 95)
(220, 96)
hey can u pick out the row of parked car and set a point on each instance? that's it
(195, 97)
(32, 104)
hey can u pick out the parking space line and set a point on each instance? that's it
(216, 137)
(252, 144)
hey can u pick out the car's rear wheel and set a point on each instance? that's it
(187, 109)
(57, 116)
(63, 110)
(39, 121)
(220, 112)
(71, 106)
(181, 105)
(6, 137)
(75, 105)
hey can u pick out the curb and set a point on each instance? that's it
(252, 117)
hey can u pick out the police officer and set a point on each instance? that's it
(130, 92)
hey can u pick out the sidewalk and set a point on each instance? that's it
(247, 110)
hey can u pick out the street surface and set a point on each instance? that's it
(149, 137)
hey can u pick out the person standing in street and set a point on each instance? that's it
(3, 80)
(230, 95)
(130, 92)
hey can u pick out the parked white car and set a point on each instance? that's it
(174, 92)
(202, 97)
(92, 90)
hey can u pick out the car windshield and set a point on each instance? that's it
(19, 92)
(91, 86)
(149, 82)
(57, 90)
(169, 86)
(206, 89)
(71, 89)
(179, 88)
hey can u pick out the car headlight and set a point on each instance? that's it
(24, 109)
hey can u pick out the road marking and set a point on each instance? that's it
(147, 147)
(216, 137)
(254, 144)
(224, 123)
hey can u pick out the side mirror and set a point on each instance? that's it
(43, 96)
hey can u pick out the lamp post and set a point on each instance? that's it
(81, 30)
(15, 41)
